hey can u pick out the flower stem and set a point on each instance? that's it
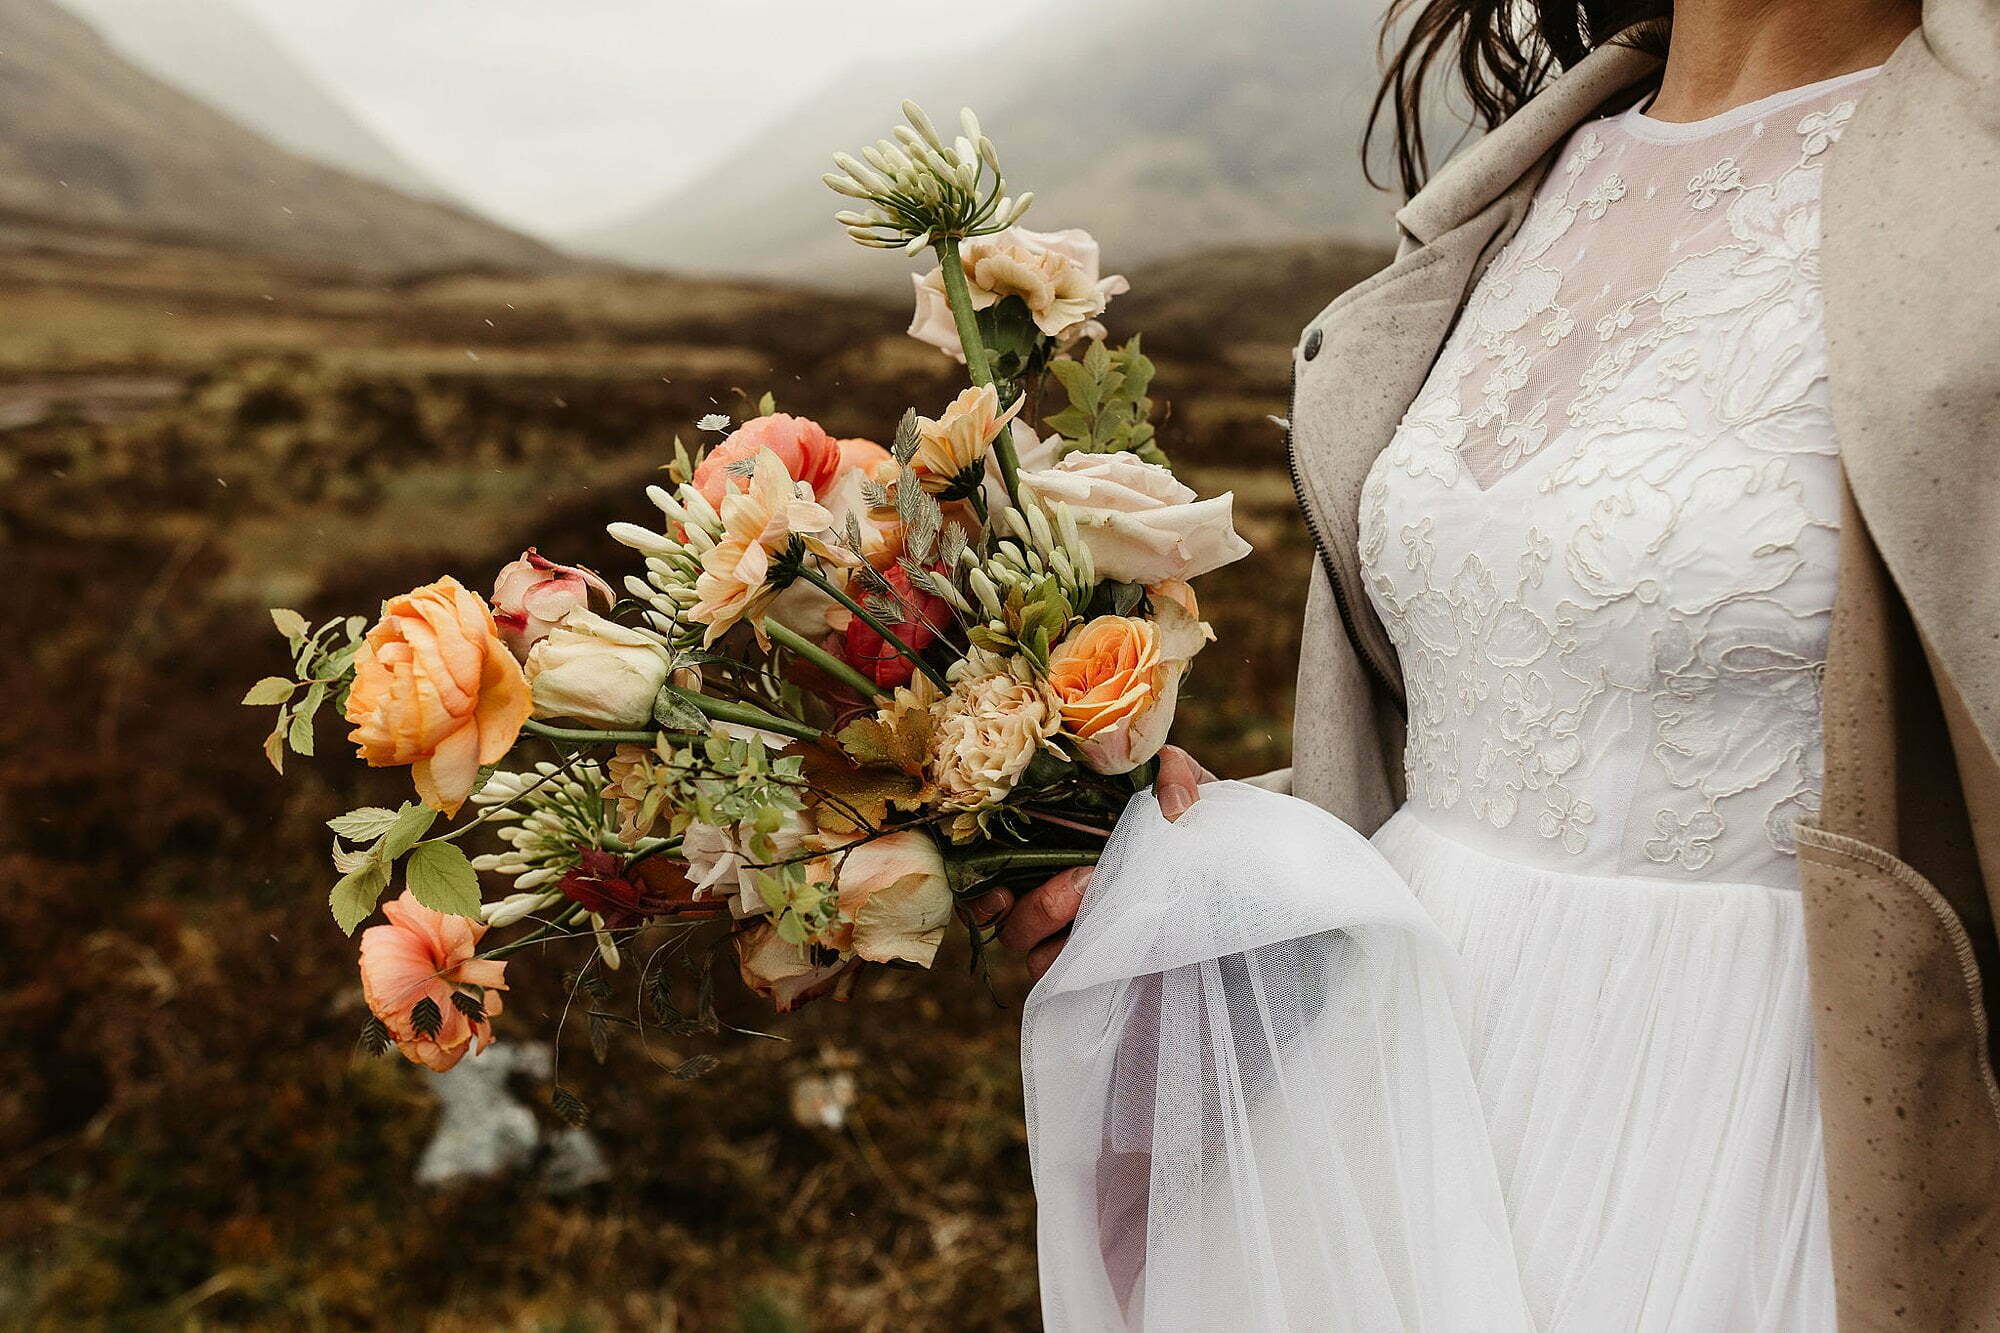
(822, 659)
(889, 636)
(951, 267)
(978, 364)
(584, 736)
(988, 864)
(749, 715)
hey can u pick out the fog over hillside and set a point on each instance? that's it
(215, 51)
(1164, 126)
(86, 137)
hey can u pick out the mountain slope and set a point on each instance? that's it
(1164, 126)
(85, 136)
(214, 51)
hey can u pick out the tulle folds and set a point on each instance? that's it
(1249, 1099)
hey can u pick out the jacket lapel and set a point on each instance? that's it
(1909, 262)
(1363, 360)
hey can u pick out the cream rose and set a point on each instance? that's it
(987, 731)
(895, 898)
(784, 973)
(1116, 680)
(1055, 273)
(1140, 524)
(597, 672)
(721, 865)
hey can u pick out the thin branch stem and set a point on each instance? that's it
(821, 658)
(873, 622)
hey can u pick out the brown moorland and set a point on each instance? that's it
(188, 436)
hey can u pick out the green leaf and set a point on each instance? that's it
(290, 624)
(366, 824)
(443, 880)
(300, 734)
(356, 894)
(672, 711)
(412, 822)
(270, 690)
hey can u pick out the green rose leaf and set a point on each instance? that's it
(356, 894)
(443, 880)
(412, 822)
(366, 824)
(270, 690)
(290, 624)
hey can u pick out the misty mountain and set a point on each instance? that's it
(1163, 126)
(88, 137)
(214, 51)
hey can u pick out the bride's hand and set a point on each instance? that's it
(1038, 924)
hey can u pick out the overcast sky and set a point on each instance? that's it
(558, 113)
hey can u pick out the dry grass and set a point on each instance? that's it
(184, 1140)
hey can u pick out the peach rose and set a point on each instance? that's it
(895, 898)
(807, 451)
(1140, 524)
(783, 973)
(1116, 680)
(422, 955)
(1055, 273)
(435, 688)
(534, 592)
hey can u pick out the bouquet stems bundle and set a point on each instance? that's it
(844, 686)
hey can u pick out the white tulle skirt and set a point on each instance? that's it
(1284, 1078)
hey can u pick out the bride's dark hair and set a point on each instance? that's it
(1503, 52)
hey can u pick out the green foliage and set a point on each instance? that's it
(1016, 348)
(1108, 408)
(437, 874)
(322, 667)
(443, 880)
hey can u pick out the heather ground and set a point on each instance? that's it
(185, 1138)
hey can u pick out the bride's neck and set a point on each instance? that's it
(1724, 53)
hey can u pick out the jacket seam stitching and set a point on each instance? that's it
(1838, 844)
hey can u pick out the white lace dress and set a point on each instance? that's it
(1603, 543)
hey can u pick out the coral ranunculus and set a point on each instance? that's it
(423, 955)
(435, 688)
(1116, 680)
(809, 454)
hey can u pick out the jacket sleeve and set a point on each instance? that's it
(1346, 737)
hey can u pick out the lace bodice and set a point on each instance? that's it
(1603, 538)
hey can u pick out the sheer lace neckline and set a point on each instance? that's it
(1642, 126)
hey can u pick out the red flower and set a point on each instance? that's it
(923, 613)
(624, 894)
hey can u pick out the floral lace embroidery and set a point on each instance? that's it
(1602, 540)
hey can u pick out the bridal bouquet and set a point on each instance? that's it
(843, 685)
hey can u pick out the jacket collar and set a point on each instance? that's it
(1484, 171)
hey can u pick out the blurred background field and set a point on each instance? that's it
(206, 410)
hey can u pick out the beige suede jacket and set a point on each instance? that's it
(1901, 872)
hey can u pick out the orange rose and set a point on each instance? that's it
(807, 451)
(1116, 680)
(435, 688)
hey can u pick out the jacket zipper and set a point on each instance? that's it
(1320, 548)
